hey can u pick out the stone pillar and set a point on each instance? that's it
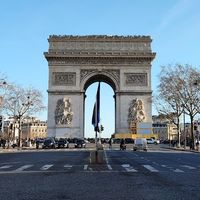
(71, 125)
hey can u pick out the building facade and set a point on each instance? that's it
(33, 130)
(30, 129)
(164, 129)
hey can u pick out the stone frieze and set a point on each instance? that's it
(64, 78)
(98, 61)
(135, 79)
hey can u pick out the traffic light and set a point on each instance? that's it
(102, 128)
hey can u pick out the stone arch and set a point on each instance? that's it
(102, 77)
(75, 62)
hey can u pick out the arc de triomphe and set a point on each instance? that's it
(75, 62)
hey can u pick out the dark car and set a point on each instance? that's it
(50, 143)
(63, 143)
(80, 143)
(39, 143)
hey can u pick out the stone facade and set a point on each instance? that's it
(75, 62)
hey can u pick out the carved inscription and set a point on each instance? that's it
(136, 79)
(64, 78)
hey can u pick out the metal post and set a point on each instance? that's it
(19, 134)
(185, 141)
(96, 140)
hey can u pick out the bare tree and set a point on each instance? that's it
(177, 92)
(21, 103)
(170, 109)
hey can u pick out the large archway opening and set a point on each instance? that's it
(107, 106)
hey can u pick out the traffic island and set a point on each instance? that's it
(96, 157)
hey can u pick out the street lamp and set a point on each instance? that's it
(185, 138)
(25, 107)
(2, 84)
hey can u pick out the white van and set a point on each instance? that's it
(140, 144)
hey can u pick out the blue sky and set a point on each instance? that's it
(25, 26)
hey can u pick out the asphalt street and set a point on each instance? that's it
(69, 174)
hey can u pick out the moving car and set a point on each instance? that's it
(140, 144)
(150, 141)
(80, 143)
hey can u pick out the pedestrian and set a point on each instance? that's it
(191, 145)
(122, 144)
(110, 143)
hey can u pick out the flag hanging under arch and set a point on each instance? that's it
(96, 111)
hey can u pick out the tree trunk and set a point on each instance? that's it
(178, 131)
(192, 132)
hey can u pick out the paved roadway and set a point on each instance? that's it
(68, 174)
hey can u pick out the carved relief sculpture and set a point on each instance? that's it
(64, 78)
(63, 112)
(136, 79)
(136, 112)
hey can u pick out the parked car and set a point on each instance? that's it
(39, 143)
(80, 143)
(50, 143)
(140, 144)
(63, 143)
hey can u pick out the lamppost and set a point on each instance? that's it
(25, 107)
(185, 138)
(2, 84)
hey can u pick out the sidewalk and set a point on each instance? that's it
(180, 148)
(11, 150)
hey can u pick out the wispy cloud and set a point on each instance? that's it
(178, 11)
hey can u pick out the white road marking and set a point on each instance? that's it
(68, 166)
(5, 166)
(23, 168)
(125, 165)
(107, 162)
(178, 170)
(45, 167)
(109, 167)
(150, 168)
(128, 168)
(189, 167)
(85, 167)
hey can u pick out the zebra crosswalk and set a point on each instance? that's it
(50, 167)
